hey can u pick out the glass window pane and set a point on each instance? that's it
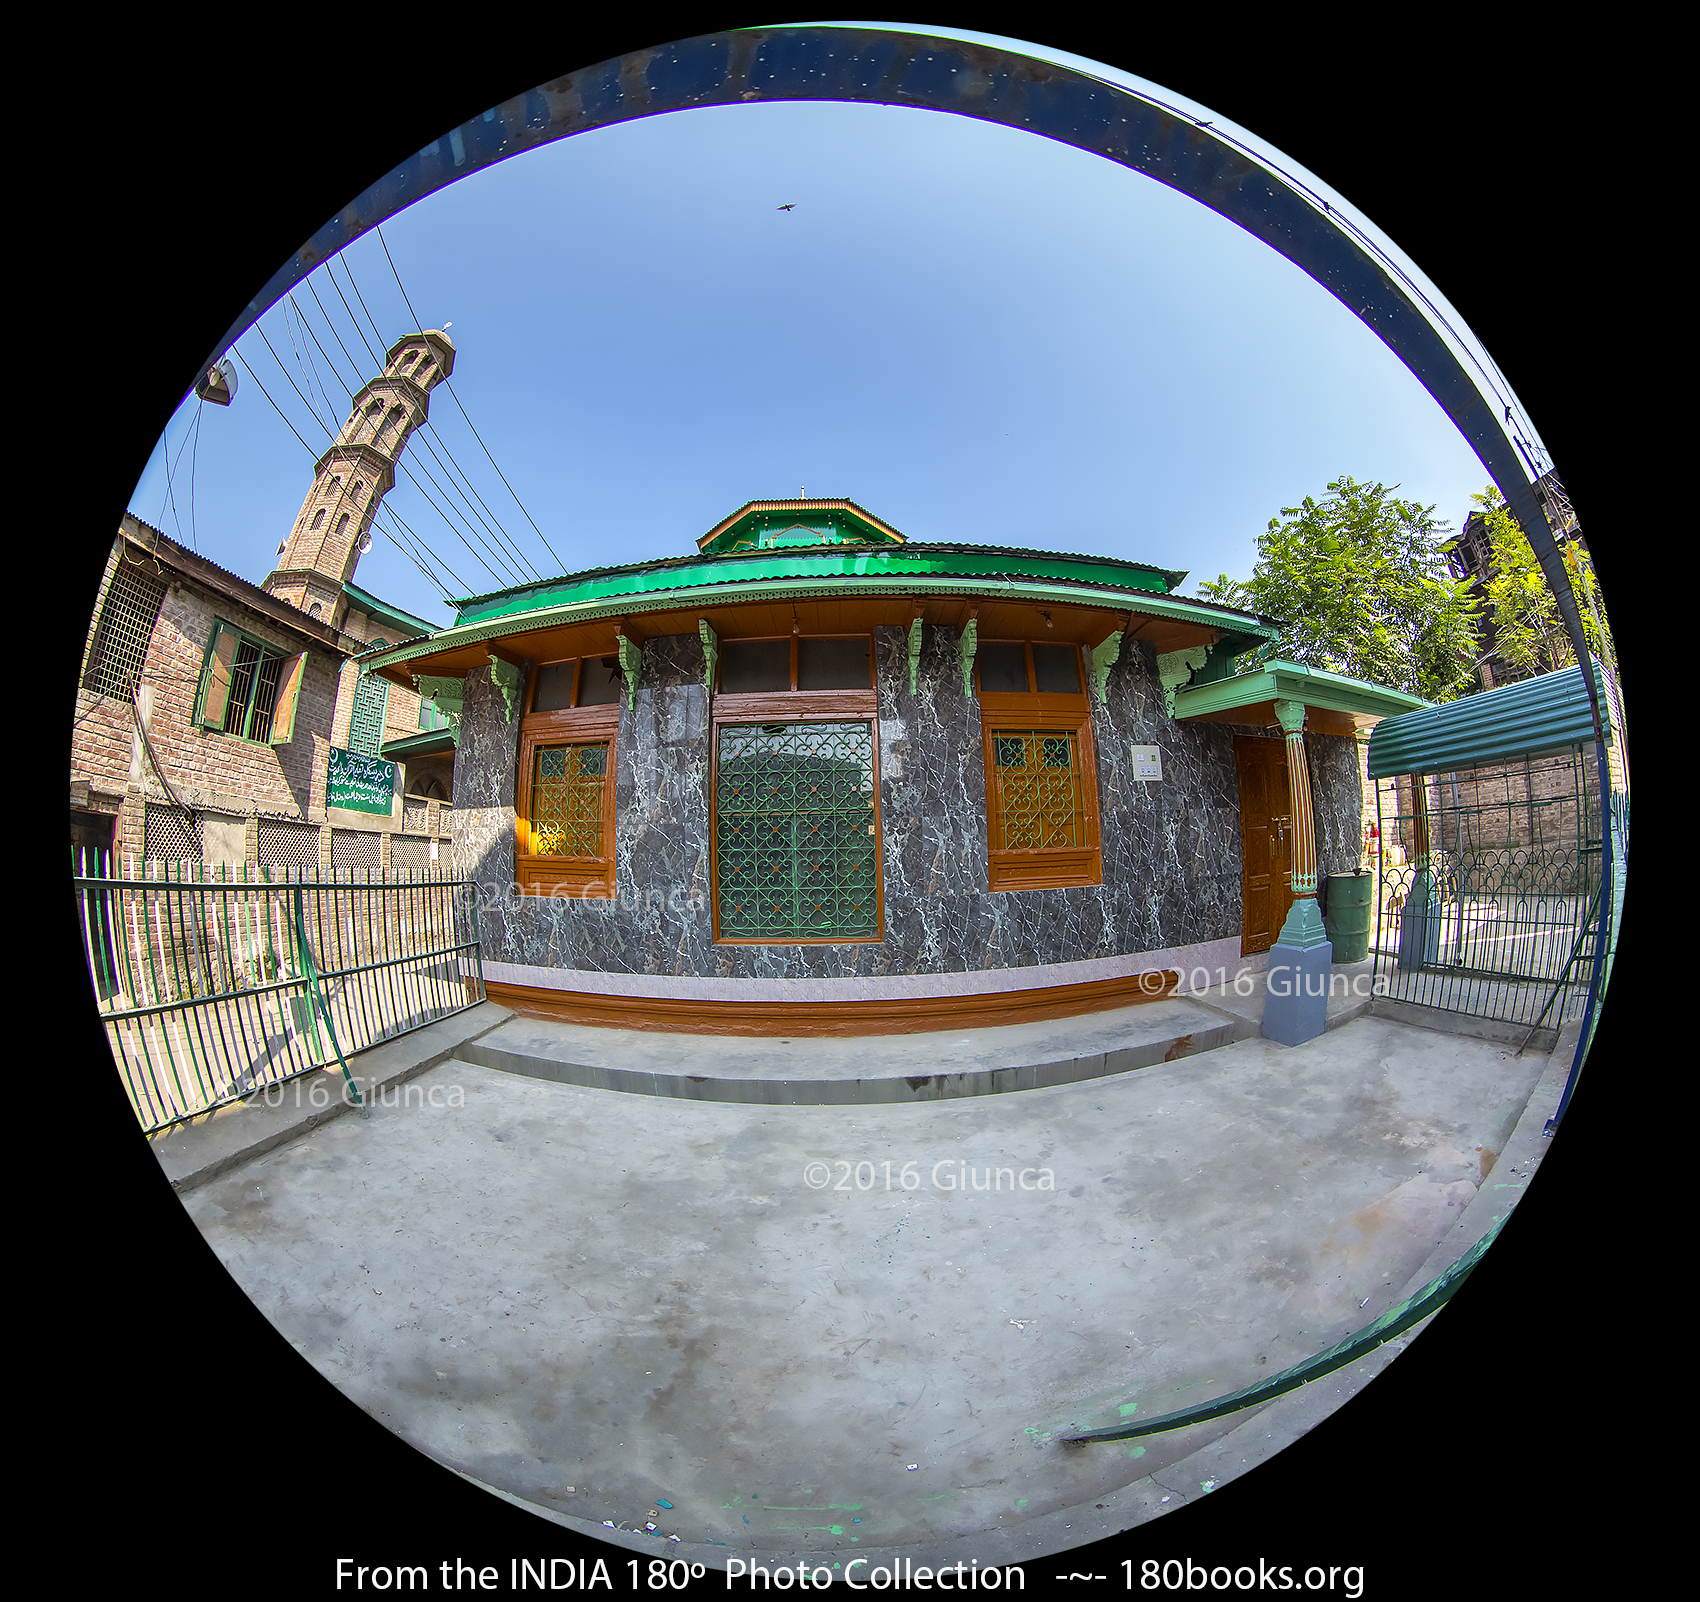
(1039, 802)
(566, 800)
(1003, 669)
(795, 848)
(833, 664)
(748, 667)
(1057, 668)
(554, 687)
(601, 681)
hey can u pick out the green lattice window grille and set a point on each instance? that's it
(1040, 801)
(366, 724)
(119, 646)
(567, 785)
(796, 854)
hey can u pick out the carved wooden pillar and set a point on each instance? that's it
(1303, 927)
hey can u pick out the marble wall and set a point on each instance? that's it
(1171, 848)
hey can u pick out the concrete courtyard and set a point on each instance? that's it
(730, 1322)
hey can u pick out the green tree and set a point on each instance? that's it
(1528, 632)
(1360, 586)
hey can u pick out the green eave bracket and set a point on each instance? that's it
(1174, 668)
(965, 647)
(449, 695)
(1105, 655)
(505, 676)
(914, 651)
(631, 660)
(710, 652)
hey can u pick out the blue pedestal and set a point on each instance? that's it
(1301, 964)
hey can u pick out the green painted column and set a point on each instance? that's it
(1303, 927)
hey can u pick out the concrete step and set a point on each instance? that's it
(936, 1066)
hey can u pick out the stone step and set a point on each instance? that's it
(935, 1066)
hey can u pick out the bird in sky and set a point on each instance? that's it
(792, 206)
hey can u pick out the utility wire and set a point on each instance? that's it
(170, 497)
(441, 587)
(498, 549)
(194, 541)
(425, 441)
(292, 384)
(511, 544)
(463, 412)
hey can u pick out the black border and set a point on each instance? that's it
(184, 166)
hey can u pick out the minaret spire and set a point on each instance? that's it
(335, 520)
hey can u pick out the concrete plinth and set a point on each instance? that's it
(1296, 1006)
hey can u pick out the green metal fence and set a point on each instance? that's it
(215, 983)
(1488, 888)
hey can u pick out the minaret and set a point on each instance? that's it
(354, 475)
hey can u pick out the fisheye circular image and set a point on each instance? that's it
(849, 803)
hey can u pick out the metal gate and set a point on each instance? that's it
(1488, 887)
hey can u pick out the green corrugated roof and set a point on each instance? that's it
(1239, 631)
(820, 562)
(382, 610)
(1546, 713)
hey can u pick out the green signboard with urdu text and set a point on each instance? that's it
(360, 783)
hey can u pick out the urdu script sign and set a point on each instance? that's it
(360, 783)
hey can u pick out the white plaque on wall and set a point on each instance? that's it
(1147, 761)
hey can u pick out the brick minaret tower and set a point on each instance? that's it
(333, 527)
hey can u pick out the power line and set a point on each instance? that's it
(432, 577)
(519, 571)
(193, 454)
(498, 530)
(458, 535)
(463, 412)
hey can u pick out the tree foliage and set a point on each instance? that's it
(1360, 586)
(1528, 632)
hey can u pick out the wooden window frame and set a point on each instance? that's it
(796, 706)
(1013, 712)
(215, 680)
(575, 878)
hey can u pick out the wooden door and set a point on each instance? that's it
(1266, 841)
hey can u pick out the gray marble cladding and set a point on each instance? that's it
(1171, 849)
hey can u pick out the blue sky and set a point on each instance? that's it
(980, 335)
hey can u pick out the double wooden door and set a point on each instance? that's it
(1266, 841)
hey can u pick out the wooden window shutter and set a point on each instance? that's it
(288, 694)
(221, 653)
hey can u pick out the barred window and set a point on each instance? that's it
(1039, 803)
(248, 688)
(795, 832)
(119, 646)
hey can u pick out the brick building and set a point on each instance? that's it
(208, 707)
(1469, 555)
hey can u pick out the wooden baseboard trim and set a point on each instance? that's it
(805, 1019)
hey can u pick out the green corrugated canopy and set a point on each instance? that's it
(1548, 713)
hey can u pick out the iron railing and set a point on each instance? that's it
(217, 982)
(1488, 889)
